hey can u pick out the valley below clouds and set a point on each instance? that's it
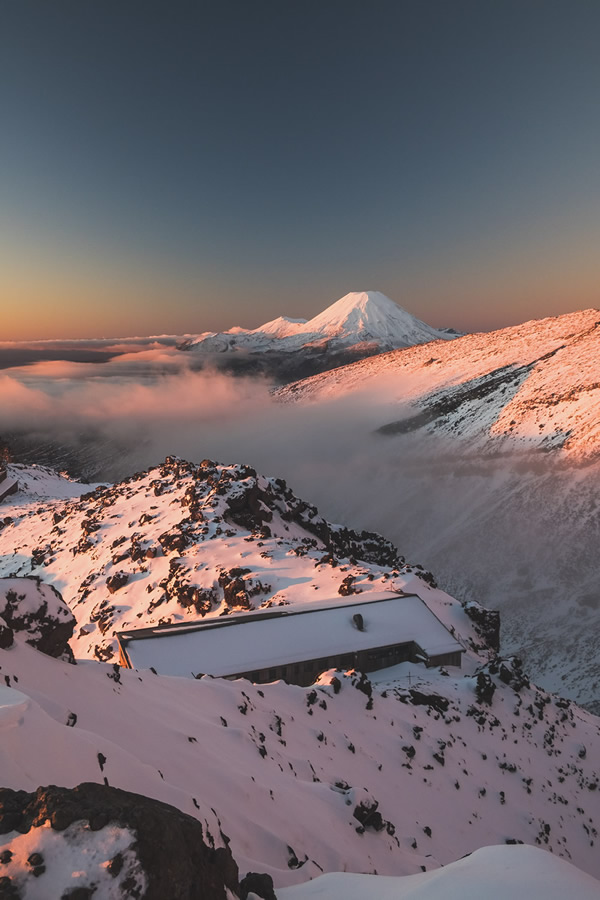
(513, 527)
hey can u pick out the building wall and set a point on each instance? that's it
(305, 673)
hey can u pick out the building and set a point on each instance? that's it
(8, 485)
(295, 645)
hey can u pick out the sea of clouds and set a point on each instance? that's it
(513, 533)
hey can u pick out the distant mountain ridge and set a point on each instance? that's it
(360, 317)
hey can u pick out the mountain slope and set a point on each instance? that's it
(536, 385)
(310, 780)
(481, 458)
(400, 773)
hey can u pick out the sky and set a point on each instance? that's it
(171, 168)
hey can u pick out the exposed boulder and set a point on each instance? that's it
(259, 884)
(418, 698)
(508, 670)
(368, 815)
(347, 587)
(116, 581)
(484, 688)
(142, 847)
(36, 613)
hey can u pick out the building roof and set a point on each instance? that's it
(245, 643)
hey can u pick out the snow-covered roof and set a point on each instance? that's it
(245, 643)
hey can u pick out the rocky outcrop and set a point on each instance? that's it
(36, 613)
(158, 547)
(486, 622)
(125, 843)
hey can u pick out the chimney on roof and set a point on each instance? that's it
(358, 621)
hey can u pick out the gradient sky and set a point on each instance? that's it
(183, 166)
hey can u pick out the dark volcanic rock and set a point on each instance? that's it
(116, 581)
(440, 704)
(168, 850)
(368, 815)
(347, 587)
(36, 612)
(259, 884)
(487, 623)
(484, 688)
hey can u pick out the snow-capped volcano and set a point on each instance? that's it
(371, 316)
(360, 317)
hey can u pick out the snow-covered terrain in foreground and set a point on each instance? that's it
(492, 873)
(397, 774)
(359, 317)
(323, 779)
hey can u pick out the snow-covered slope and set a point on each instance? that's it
(361, 317)
(529, 387)
(181, 541)
(481, 458)
(493, 873)
(397, 775)
(323, 779)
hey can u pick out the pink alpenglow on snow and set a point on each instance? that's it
(361, 317)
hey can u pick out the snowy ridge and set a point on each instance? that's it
(362, 317)
(492, 872)
(535, 386)
(182, 541)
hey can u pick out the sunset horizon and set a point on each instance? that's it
(211, 168)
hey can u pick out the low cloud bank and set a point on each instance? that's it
(514, 532)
